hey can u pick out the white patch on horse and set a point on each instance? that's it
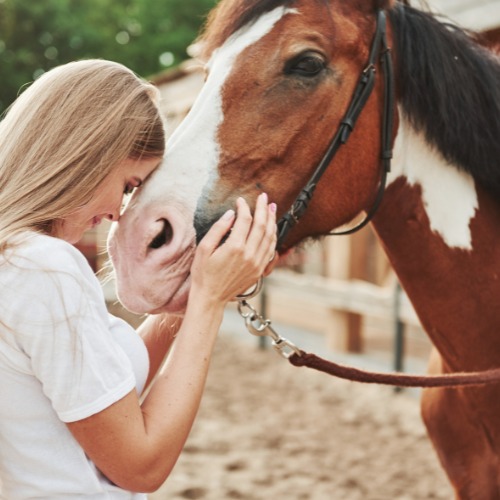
(449, 195)
(194, 143)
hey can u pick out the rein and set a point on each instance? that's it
(360, 97)
(259, 326)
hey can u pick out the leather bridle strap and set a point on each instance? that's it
(361, 94)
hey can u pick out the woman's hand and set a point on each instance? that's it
(223, 271)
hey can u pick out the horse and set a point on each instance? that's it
(281, 78)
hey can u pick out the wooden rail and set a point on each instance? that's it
(329, 305)
(353, 296)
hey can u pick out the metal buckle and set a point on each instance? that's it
(261, 327)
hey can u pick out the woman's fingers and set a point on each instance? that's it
(241, 228)
(261, 218)
(252, 230)
(218, 230)
(261, 243)
(271, 264)
(268, 246)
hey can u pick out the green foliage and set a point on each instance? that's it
(145, 35)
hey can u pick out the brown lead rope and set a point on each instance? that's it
(397, 379)
(259, 326)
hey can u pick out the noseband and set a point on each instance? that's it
(361, 94)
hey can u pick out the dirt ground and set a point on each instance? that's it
(269, 431)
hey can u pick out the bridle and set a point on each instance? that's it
(257, 325)
(361, 94)
(379, 48)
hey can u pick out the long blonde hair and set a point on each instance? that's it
(65, 134)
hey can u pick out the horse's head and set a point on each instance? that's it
(280, 76)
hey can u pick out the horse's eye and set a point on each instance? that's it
(306, 65)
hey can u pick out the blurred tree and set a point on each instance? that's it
(145, 35)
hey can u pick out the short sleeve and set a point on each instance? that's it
(62, 325)
(135, 349)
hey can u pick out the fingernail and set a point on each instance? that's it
(263, 196)
(273, 207)
(228, 215)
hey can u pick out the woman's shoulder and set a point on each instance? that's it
(37, 251)
(49, 271)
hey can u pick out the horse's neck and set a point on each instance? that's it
(442, 235)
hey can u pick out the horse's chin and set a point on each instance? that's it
(177, 304)
(153, 300)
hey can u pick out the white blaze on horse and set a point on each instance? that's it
(281, 77)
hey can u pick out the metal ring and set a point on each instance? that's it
(252, 293)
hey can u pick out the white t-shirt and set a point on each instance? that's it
(62, 359)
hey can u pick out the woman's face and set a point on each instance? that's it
(107, 200)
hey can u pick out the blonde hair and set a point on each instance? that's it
(65, 134)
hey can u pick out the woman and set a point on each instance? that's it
(71, 376)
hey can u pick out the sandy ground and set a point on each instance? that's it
(269, 431)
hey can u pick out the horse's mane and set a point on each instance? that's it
(449, 88)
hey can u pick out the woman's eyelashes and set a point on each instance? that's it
(129, 188)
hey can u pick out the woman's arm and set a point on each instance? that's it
(158, 333)
(137, 447)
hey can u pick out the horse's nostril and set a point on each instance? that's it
(164, 236)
